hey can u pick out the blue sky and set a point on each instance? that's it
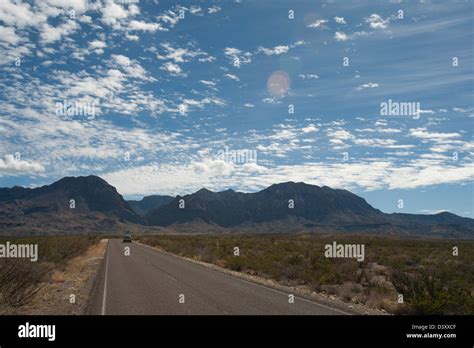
(149, 94)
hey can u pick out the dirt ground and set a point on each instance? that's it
(76, 280)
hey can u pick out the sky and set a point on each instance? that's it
(158, 97)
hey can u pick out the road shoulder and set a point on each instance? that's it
(67, 292)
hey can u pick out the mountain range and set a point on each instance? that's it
(82, 204)
(148, 203)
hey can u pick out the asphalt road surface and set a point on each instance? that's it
(153, 282)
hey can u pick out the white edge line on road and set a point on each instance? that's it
(248, 282)
(104, 296)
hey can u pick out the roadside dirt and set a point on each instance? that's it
(76, 280)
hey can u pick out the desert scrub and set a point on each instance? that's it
(20, 279)
(429, 291)
(431, 279)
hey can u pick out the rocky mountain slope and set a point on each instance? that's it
(285, 207)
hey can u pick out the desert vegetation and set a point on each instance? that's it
(431, 279)
(21, 279)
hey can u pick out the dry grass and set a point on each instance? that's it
(20, 279)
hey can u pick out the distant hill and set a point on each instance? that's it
(283, 208)
(149, 203)
(94, 200)
(322, 208)
(321, 205)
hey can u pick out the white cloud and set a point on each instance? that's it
(8, 34)
(388, 143)
(64, 144)
(143, 26)
(113, 13)
(237, 57)
(133, 9)
(232, 77)
(423, 133)
(180, 55)
(213, 9)
(132, 37)
(377, 22)
(212, 168)
(207, 83)
(271, 101)
(159, 179)
(169, 17)
(251, 167)
(340, 36)
(460, 109)
(79, 6)
(220, 175)
(207, 59)
(10, 165)
(338, 138)
(308, 76)
(121, 59)
(110, 89)
(318, 23)
(277, 50)
(85, 19)
(51, 34)
(19, 14)
(187, 104)
(309, 128)
(298, 43)
(339, 20)
(131, 67)
(339, 134)
(173, 69)
(367, 85)
(97, 44)
(380, 130)
(195, 10)
(27, 114)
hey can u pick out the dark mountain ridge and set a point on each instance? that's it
(229, 208)
(313, 206)
(90, 194)
(281, 207)
(148, 203)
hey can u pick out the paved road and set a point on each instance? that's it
(151, 282)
